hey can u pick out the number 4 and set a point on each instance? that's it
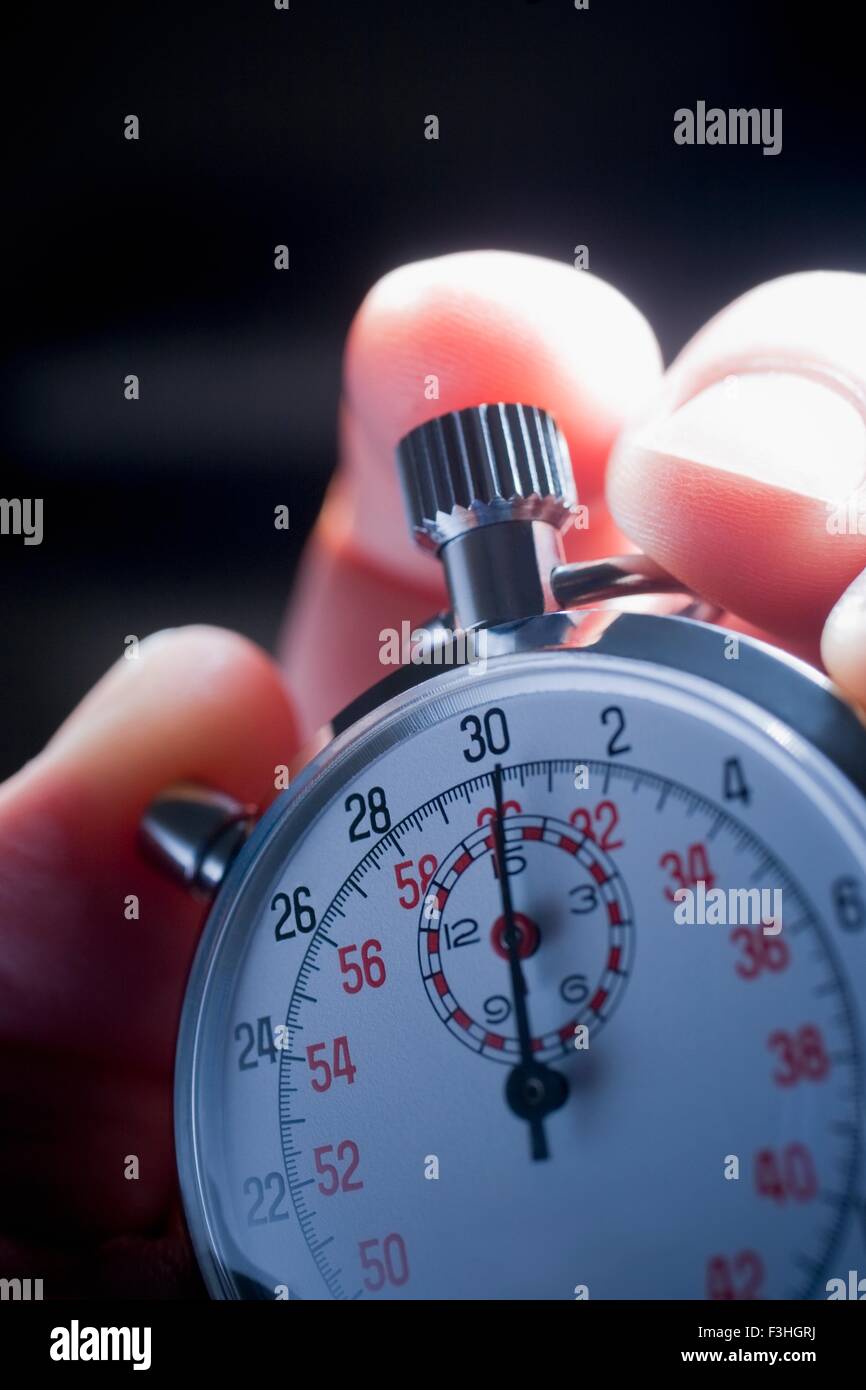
(736, 787)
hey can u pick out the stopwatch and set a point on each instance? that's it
(544, 978)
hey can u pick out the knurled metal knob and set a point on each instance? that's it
(483, 465)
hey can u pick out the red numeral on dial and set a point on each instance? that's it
(790, 1173)
(802, 1054)
(489, 812)
(392, 1268)
(758, 952)
(516, 863)
(695, 870)
(739, 1277)
(606, 818)
(339, 1065)
(414, 889)
(335, 1181)
(371, 970)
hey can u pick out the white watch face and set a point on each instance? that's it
(684, 879)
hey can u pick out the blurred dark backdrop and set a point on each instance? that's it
(305, 127)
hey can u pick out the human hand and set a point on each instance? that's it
(726, 484)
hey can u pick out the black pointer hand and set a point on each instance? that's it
(532, 1089)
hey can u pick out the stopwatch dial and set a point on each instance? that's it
(357, 1045)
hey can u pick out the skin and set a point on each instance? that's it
(726, 482)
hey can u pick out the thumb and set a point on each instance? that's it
(197, 704)
(91, 987)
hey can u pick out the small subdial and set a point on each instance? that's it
(574, 927)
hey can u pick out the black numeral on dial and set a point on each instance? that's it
(849, 904)
(736, 787)
(614, 715)
(266, 1047)
(254, 1187)
(489, 734)
(296, 909)
(373, 805)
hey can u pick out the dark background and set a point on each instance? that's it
(306, 127)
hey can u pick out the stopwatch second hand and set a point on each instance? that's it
(532, 1090)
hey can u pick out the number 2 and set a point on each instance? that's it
(614, 747)
(606, 817)
(257, 1187)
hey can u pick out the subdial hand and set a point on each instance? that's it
(532, 1090)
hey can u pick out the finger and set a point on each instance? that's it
(739, 478)
(96, 943)
(151, 1265)
(429, 338)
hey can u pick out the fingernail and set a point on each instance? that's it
(776, 427)
(843, 643)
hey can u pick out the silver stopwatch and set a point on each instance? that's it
(546, 977)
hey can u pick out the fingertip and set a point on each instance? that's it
(743, 492)
(497, 325)
(432, 337)
(843, 643)
(196, 702)
(451, 332)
